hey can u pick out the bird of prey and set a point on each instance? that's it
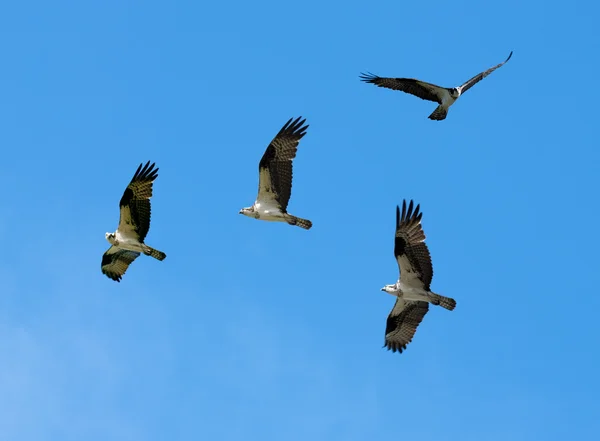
(127, 243)
(444, 96)
(275, 177)
(412, 288)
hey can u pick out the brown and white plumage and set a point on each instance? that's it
(444, 96)
(402, 323)
(413, 286)
(134, 223)
(275, 174)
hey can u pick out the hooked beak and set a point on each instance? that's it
(383, 289)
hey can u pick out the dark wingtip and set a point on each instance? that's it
(295, 127)
(509, 55)
(409, 213)
(112, 276)
(368, 77)
(146, 172)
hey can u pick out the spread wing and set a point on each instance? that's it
(115, 262)
(135, 203)
(421, 89)
(412, 254)
(402, 323)
(275, 167)
(477, 78)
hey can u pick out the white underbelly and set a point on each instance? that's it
(413, 293)
(269, 212)
(128, 243)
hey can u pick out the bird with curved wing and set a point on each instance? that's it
(412, 291)
(275, 177)
(444, 96)
(127, 243)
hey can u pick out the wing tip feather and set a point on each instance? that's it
(145, 172)
(369, 77)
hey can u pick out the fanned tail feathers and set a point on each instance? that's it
(444, 302)
(302, 223)
(149, 251)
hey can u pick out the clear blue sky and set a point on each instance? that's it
(260, 331)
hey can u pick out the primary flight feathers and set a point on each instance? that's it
(275, 177)
(444, 96)
(413, 286)
(134, 222)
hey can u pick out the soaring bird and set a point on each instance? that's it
(127, 243)
(412, 288)
(275, 177)
(444, 96)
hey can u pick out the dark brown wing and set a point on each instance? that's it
(135, 203)
(275, 167)
(477, 78)
(115, 262)
(421, 89)
(402, 323)
(410, 250)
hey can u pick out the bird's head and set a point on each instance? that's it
(248, 211)
(454, 92)
(110, 237)
(390, 289)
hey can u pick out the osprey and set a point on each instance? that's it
(128, 241)
(275, 177)
(412, 288)
(445, 97)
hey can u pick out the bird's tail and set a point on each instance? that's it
(444, 302)
(149, 251)
(302, 223)
(439, 113)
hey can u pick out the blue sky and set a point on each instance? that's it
(261, 331)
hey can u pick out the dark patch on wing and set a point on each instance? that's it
(126, 198)
(425, 91)
(278, 157)
(115, 262)
(137, 198)
(477, 78)
(409, 241)
(402, 325)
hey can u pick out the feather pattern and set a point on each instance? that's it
(410, 250)
(135, 203)
(275, 167)
(402, 323)
(477, 78)
(115, 262)
(421, 89)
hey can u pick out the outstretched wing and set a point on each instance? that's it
(421, 89)
(275, 167)
(402, 323)
(477, 78)
(115, 262)
(410, 249)
(135, 203)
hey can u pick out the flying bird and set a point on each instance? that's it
(127, 243)
(412, 288)
(275, 177)
(444, 96)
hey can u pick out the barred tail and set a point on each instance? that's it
(439, 113)
(149, 251)
(302, 223)
(444, 302)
